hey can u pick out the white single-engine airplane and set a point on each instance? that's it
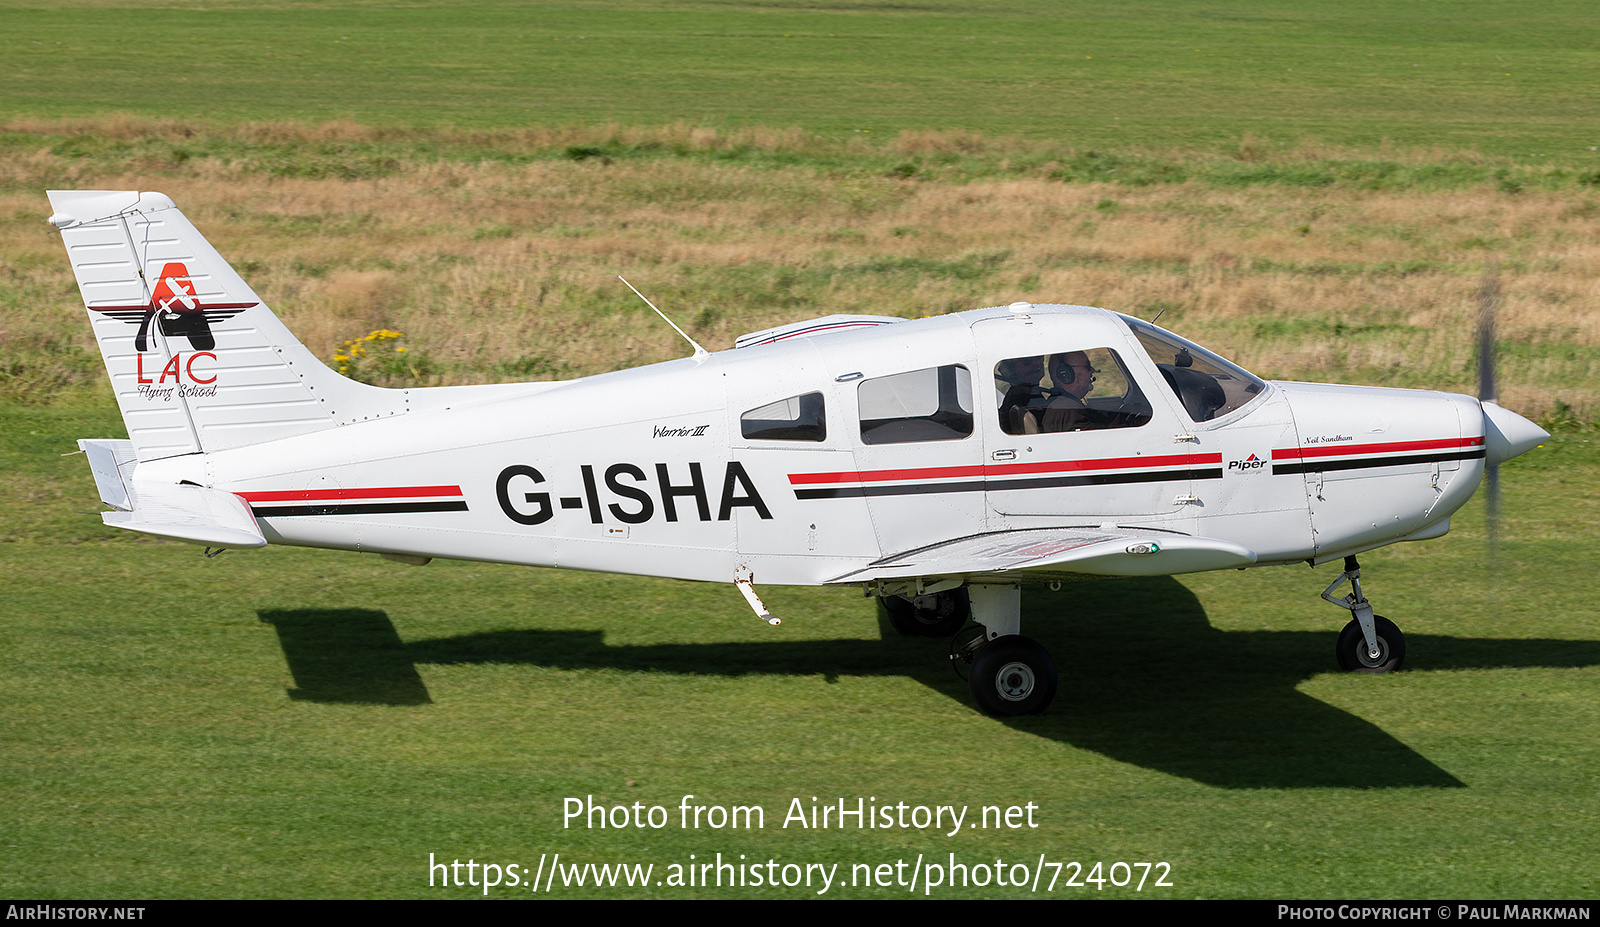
(938, 463)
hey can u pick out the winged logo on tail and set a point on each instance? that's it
(175, 302)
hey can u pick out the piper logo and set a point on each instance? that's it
(1253, 462)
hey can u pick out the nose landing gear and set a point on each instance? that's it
(1369, 643)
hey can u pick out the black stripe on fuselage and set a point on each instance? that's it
(1309, 466)
(359, 508)
(1041, 482)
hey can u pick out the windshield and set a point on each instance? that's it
(1206, 384)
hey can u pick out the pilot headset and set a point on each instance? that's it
(1071, 372)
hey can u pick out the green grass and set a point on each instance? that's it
(1496, 76)
(314, 724)
(165, 149)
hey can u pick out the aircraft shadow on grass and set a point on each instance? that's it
(1145, 679)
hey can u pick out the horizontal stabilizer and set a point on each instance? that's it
(188, 513)
(1041, 554)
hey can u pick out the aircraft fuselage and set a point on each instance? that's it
(652, 470)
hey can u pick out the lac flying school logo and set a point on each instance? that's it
(175, 302)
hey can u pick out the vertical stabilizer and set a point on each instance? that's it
(197, 361)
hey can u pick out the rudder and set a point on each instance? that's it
(197, 361)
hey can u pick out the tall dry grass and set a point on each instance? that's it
(497, 270)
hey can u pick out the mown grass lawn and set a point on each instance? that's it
(1500, 77)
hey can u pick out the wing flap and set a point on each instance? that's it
(1044, 553)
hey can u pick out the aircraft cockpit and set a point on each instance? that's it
(1068, 391)
(1207, 385)
(1084, 379)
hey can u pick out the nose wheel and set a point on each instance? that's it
(1356, 657)
(1369, 643)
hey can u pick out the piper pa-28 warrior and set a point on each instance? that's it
(937, 463)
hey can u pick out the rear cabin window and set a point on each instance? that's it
(798, 418)
(932, 404)
(1068, 391)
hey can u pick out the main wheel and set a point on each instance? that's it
(1013, 675)
(1352, 647)
(939, 615)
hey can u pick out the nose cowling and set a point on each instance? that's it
(1507, 434)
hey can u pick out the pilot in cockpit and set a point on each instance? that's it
(1029, 407)
(1071, 380)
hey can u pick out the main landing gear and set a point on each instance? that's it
(938, 615)
(1013, 675)
(1369, 643)
(1008, 674)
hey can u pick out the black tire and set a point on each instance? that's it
(939, 615)
(1011, 676)
(1352, 647)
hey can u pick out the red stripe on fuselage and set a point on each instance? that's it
(1343, 450)
(1049, 466)
(812, 331)
(319, 495)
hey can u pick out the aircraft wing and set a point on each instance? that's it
(1042, 554)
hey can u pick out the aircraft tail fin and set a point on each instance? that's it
(196, 359)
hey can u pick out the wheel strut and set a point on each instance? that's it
(1356, 604)
(1011, 675)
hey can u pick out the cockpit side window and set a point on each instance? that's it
(1068, 391)
(932, 404)
(798, 418)
(1207, 385)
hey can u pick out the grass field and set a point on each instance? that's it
(1497, 76)
(499, 269)
(290, 723)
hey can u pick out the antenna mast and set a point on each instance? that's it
(699, 352)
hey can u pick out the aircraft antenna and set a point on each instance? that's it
(698, 351)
